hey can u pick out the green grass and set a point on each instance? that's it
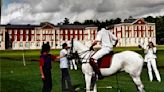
(18, 78)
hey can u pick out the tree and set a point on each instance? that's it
(66, 21)
(117, 21)
(76, 23)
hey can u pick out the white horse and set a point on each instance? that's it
(128, 61)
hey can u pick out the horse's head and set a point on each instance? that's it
(75, 49)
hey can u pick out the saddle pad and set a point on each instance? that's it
(105, 61)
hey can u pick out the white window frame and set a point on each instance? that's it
(15, 44)
(10, 31)
(37, 44)
(15, 37)
(27, 31)
(21, 31)
(27, 37)
(27, 45)
(32, 31)
(15, 31)
(37, 31)
(21, 37)
(32, 38)
(71, 31)
(44, 37)
(21, 44)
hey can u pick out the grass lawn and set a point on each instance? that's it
(18, 78)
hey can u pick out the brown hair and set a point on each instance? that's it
(151, 43)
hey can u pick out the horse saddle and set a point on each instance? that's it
(106, 60)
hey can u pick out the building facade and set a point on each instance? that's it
(133, 32)
(17, 37)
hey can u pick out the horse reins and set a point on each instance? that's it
(81, 53)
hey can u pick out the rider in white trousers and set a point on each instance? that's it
(150, 58)
(106, 38)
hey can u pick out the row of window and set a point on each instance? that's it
(51, 31)
(139, 34)
(21, 31)
(135, 34)
(29, 44)
(130, 41)
(135, 27)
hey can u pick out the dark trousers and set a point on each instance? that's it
(66, 80)
(47, 82)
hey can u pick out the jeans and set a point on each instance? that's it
(66, 80)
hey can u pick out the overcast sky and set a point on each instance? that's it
(54, 11)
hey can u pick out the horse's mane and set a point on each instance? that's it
(80, 46)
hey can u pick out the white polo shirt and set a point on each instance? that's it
(106, 38)
(64, 60)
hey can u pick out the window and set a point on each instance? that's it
(135, 27)
(37, 44)
(151, 28)
(32, 38)
(139, 27)
(27, 31)
(15, 37)
(44, 37)
(76, 31)
(32, 31)
(71, 31)
(27, 45)
(32, 43)
(80, 31)
(47, 32)
(15, 31)
(43, 31)
(126, 27)
(15, 44)
(37, 37)
(52, 44)
(50, 31)
(21, 37)
(37, 32)
(10, 31)
(53, 31)
(27, 38)
(20, 44)
(66, 31)
(61, 31)
(21, 31)
(126, 35)
(52, 37)
(10, 36)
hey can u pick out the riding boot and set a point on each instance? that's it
(96, 68)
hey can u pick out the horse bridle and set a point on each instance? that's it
(76, 54)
